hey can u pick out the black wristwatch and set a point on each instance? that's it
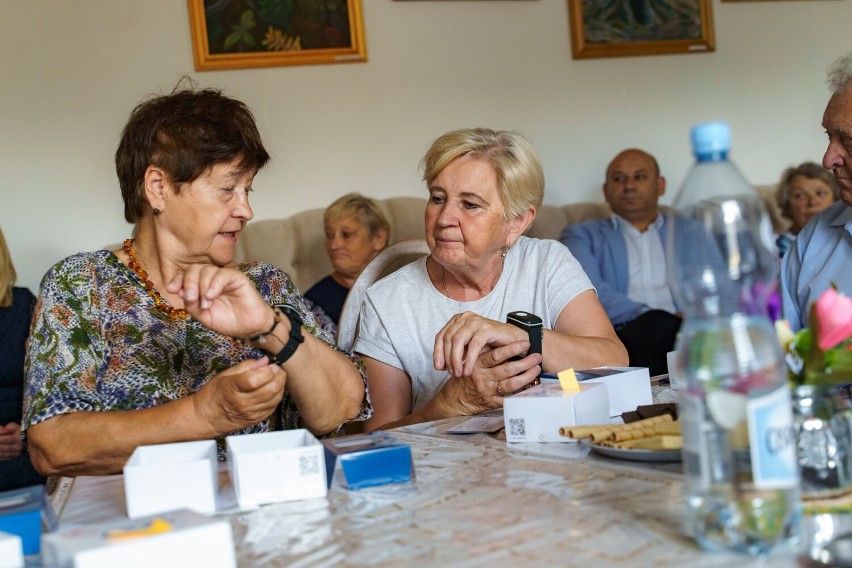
(532, 324)
(295, 338)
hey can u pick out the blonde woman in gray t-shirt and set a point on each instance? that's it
(433, 334)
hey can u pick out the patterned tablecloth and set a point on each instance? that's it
(476, 502)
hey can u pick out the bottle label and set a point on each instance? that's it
(772, 439)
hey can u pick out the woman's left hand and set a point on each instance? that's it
(461, 341)
(494, 376)
(222, 299)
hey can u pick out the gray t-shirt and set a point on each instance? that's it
(403, 312)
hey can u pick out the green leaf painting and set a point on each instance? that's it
(245, 26)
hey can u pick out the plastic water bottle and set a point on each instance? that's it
(740, 464)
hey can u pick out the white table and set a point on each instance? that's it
(477, 502)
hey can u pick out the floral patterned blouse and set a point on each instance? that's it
(98, 343)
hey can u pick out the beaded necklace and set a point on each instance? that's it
(159, 302)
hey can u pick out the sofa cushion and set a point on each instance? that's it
(767, 195)
(551, 219)
(296, 244)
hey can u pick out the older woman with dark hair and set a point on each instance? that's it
(434, 335)
(167, 339)
(356, 231)
(803, 191)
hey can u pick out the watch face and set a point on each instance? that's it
(532, 324)
(525, 319)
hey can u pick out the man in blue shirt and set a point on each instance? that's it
(625, 258)
(822, 253)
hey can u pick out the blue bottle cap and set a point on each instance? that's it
(711, 138)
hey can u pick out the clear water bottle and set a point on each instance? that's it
(740, 464)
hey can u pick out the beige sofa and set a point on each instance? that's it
(296, 243)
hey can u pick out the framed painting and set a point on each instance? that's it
(238, 34)
(618, 28)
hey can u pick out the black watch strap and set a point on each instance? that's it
(536, 339)
(533, 326)
(295, 338)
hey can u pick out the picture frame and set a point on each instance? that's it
(240, 34)
(616, 29)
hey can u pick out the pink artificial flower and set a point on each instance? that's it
(834, 319)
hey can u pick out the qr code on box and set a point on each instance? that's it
(309, 464)
(517, 428)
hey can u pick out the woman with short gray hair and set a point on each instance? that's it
(803, 191)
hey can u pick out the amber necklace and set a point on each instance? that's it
(160, 302)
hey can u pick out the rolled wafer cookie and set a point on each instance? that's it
(578, 431)
(623, 435)
(660, 442)
(608, 433)
(660, 428)
(586, 431)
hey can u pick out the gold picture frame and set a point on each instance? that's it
(618, 28)
(243, 35)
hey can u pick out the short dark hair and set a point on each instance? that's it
(185, 133)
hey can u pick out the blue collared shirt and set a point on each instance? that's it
(821, 255)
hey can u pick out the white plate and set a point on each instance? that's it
(635, 455)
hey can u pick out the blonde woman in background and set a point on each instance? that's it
(356, 231)
(803, 191)
(16, 310)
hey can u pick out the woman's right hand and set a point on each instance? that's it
(11, 445)
(241, 396)
(493, 377)
(222, 299)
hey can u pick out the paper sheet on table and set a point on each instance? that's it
(478, 424)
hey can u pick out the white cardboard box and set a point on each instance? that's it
(537, 414)
(168, 477)
(628, 387)
(194, 540)
(11, 551)
(276, 466)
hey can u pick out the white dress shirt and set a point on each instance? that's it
(647, 278)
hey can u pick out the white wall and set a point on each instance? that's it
(72, 71)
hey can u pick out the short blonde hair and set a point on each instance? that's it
(520, 177)
(8, 276)
(362, 208)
